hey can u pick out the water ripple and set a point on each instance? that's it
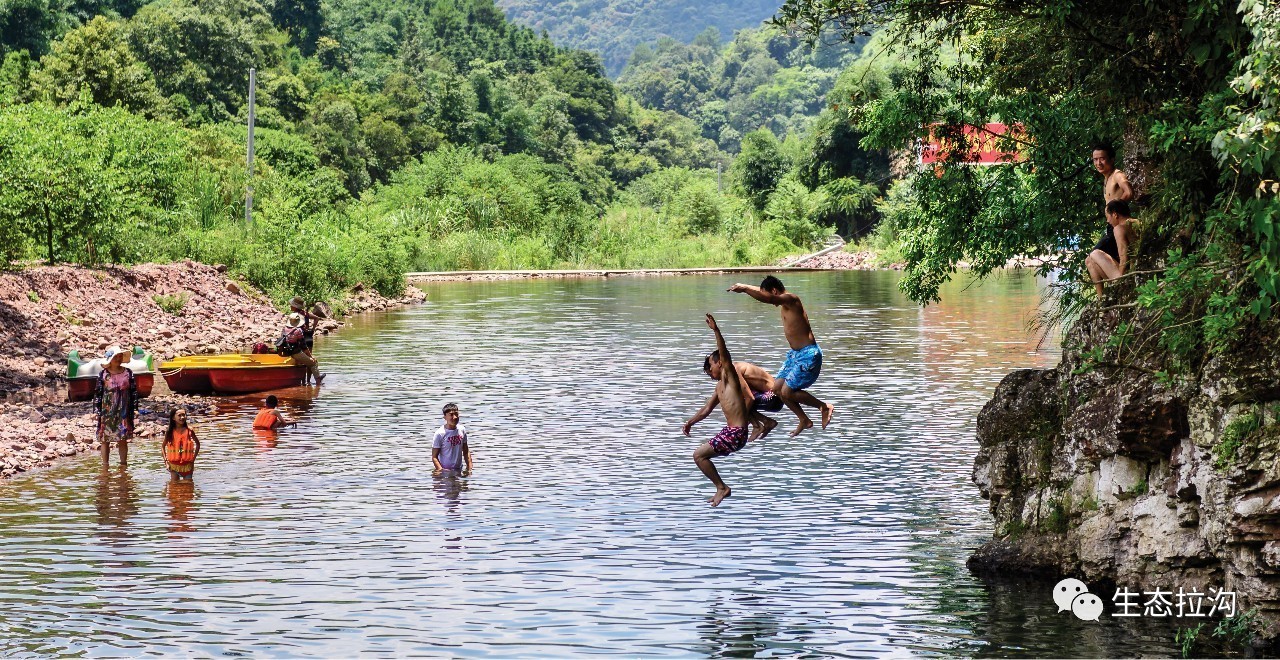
(584, 530)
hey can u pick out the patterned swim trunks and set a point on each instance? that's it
(729, 440)
(767, 401)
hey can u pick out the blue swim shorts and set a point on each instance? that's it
(802, 367)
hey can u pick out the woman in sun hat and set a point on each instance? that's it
(115, 400)
(299, 306)
(293, 344)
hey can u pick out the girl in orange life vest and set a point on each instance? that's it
(268, 418)
(181, 446)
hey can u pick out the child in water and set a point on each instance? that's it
(450, 448)
(270, 419)
(181, 446)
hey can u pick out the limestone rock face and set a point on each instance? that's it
(1111, 473)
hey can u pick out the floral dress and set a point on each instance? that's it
(115, 400)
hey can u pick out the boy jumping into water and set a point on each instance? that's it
(804, 360)
(735, 400)
(760, 387)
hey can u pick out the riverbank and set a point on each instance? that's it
(168, 309)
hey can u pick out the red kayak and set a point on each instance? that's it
(81, 389)
(231, 374)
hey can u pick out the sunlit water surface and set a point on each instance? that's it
(584, 529)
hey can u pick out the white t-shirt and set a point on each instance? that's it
(449, 442)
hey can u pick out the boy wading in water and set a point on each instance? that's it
(270, 419)
(449, 448)
(735, 401)
(804, 360)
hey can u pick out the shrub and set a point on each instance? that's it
(172, 304)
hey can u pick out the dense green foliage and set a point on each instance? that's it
(762, 85)
(614, 29)
(762, 78)
(390, 136)
(1188, 89)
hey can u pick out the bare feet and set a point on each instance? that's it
(827, 410)
(320, 378)
(756, 432)
(804, 424)
(721, 493)
(769, 424)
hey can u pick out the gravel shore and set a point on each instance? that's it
(48, 311)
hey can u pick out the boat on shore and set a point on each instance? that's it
(234, 373)
(82, 375)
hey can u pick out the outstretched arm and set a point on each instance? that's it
(703, 413)
(763, 296)
(724, 350)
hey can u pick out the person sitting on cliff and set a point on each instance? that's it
(270, 419)
(1110, 256)
(759, 383)
(292, 343)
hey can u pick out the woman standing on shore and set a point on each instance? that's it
(115, 400)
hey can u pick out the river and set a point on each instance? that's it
(584, 529)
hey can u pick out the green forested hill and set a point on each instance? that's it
(614, 28)
(391, 135)
(760, 78)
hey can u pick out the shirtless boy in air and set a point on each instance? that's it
(735, 401)
(804, 360)
(760, 387)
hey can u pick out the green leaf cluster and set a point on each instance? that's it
(1189, 93)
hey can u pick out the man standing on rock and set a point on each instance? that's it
(804, 360)
(1105, 260)
(1115, 185)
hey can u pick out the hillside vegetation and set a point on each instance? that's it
(391, 136)
(760, 78)
(614, 28)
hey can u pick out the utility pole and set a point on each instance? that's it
(248, 195)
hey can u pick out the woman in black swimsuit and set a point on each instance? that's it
(1110, 256)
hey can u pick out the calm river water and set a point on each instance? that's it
(585, 529)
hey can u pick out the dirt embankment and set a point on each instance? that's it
(168, 309)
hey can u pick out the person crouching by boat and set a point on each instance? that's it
(115, 399)
(299, 306)
(292, 343)
(181, 446)
(270, 419)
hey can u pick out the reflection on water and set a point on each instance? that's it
(449, 487)
(584, 529)
(265, 440)
(180, 494)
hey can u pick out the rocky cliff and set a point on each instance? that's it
(1106, 469)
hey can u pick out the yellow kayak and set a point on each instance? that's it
(233, 373)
